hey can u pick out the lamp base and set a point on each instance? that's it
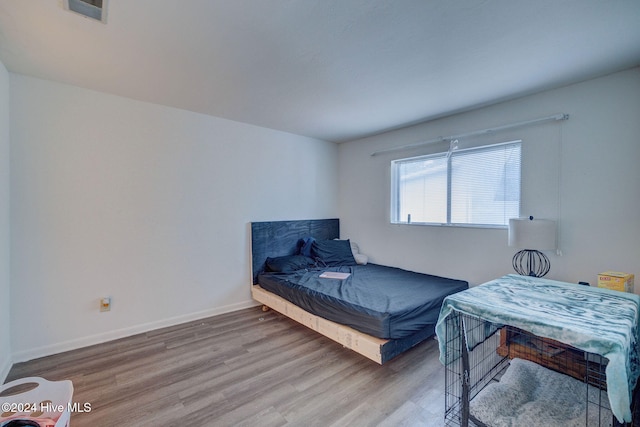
(529, 262)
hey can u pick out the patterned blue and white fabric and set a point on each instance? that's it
(592, 319)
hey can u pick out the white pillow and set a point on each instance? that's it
(361, 259)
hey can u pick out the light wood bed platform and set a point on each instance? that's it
(367, 345)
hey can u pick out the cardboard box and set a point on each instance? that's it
(616, 280)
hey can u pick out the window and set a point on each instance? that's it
(474, 186)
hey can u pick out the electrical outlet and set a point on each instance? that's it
(105, 304)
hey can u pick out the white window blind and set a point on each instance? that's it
(476, 186)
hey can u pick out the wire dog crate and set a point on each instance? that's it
(484, 362)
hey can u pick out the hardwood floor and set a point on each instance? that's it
(246, 368)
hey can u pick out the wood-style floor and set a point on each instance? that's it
(246, 368)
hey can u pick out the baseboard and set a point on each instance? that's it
(26, 355)
(5, 367)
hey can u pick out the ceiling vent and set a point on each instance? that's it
(94, 9)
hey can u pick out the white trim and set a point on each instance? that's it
(26, 355)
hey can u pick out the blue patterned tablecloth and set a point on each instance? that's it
(592, 319)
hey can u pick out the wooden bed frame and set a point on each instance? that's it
(280, 238)
(366, 345)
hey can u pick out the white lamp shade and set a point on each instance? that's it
(539, 234)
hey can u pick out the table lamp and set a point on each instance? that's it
(532, 235)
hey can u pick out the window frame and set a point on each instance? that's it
(395, 186)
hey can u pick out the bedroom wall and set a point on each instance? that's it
(584, 172)
(5, 328)
(146, 204)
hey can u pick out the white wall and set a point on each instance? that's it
(5, 326)
(147, 204)
(584, 172)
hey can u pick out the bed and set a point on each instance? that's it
(376, 311)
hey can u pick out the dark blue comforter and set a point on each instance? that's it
(385, 302)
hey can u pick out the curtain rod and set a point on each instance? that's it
(560, 116)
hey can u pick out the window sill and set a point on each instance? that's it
(437, 224)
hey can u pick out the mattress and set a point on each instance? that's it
(381, 301)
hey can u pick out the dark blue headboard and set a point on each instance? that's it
(280, 238)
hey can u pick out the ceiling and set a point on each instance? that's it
(336, 70)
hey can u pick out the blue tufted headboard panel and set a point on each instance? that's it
(280, 238)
